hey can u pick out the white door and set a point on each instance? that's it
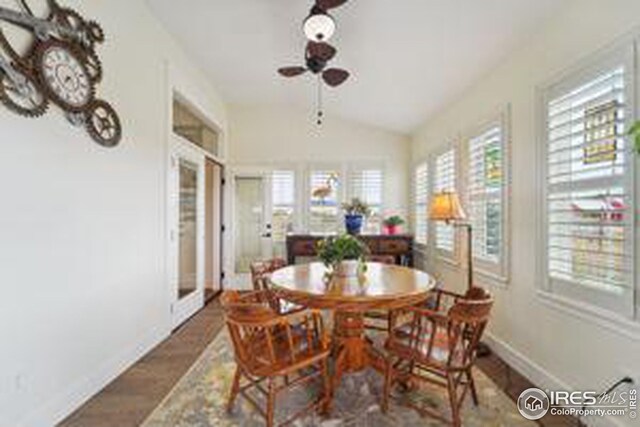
(187, 231)
(252, 226)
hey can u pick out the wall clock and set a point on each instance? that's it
(60, 67)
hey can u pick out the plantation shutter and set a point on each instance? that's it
(283, 200)
(445, 180)
(485, 194)
(367, 184)
(421, 203)
(589, 197)
(324, 206)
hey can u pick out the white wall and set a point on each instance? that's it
(263, 135)
(82, 253)
(553, 347)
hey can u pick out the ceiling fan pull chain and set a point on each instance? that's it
(320, 113)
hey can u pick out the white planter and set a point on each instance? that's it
(347, 268)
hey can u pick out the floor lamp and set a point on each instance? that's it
(446, 207)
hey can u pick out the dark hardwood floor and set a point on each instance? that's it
(129, 400)
(513, 383)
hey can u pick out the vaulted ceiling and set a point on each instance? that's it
(409, 58)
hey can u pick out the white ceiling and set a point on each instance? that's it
(408, 58)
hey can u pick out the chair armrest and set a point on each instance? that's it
(431, 315)
(417, 314)
(449, 293)
(293, 317)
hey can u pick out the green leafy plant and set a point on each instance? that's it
(393, 220)
(345, 247)
(356, 207)
(634, 132)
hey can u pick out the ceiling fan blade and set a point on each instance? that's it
(321, 50)
(329, 4)
(292, 71)
(335, 76)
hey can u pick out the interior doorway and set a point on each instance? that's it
(195, 217)
(213, 277)
(252, 225)
(187, 235)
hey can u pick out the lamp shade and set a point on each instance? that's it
(446, 206)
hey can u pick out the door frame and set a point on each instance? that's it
(178, 84)
(182, 309)
(234, 280)
(221, 212)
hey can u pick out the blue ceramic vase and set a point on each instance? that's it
(353, 223)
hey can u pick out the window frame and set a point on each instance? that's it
(340, 196)
(449, 257)
(178, 98)
(484, 270)
(355, 167)
(603, 304)
(414, 202)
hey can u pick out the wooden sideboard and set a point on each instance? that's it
(399, 245)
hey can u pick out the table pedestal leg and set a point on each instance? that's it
(354, 352)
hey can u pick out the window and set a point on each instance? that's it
(486, 199)
(589, 204)
(283, 201)
(421, 203)
(445, 180)
(192, 128)
(324, 202)
(368, 186)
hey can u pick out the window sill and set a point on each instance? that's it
(605, 319)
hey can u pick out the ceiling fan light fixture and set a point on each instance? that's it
(319, 26)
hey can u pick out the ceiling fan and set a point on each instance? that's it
(317, 56)
(318, 27)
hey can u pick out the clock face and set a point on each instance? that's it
(65, 76)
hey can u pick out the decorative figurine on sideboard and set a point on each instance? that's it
(60, 66)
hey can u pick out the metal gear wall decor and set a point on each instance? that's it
(60, 66)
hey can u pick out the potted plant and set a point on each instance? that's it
(344, 254)
(392, 223)
(354, 214)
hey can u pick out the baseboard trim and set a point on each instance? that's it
(62, 405)
(541, 377)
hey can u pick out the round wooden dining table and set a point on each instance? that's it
(382, 286)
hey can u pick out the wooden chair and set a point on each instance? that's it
(443, 300)
(438, 347)
(262, 269)
(260, 272)
(285, 351)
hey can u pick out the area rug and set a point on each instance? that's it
(199, 398)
